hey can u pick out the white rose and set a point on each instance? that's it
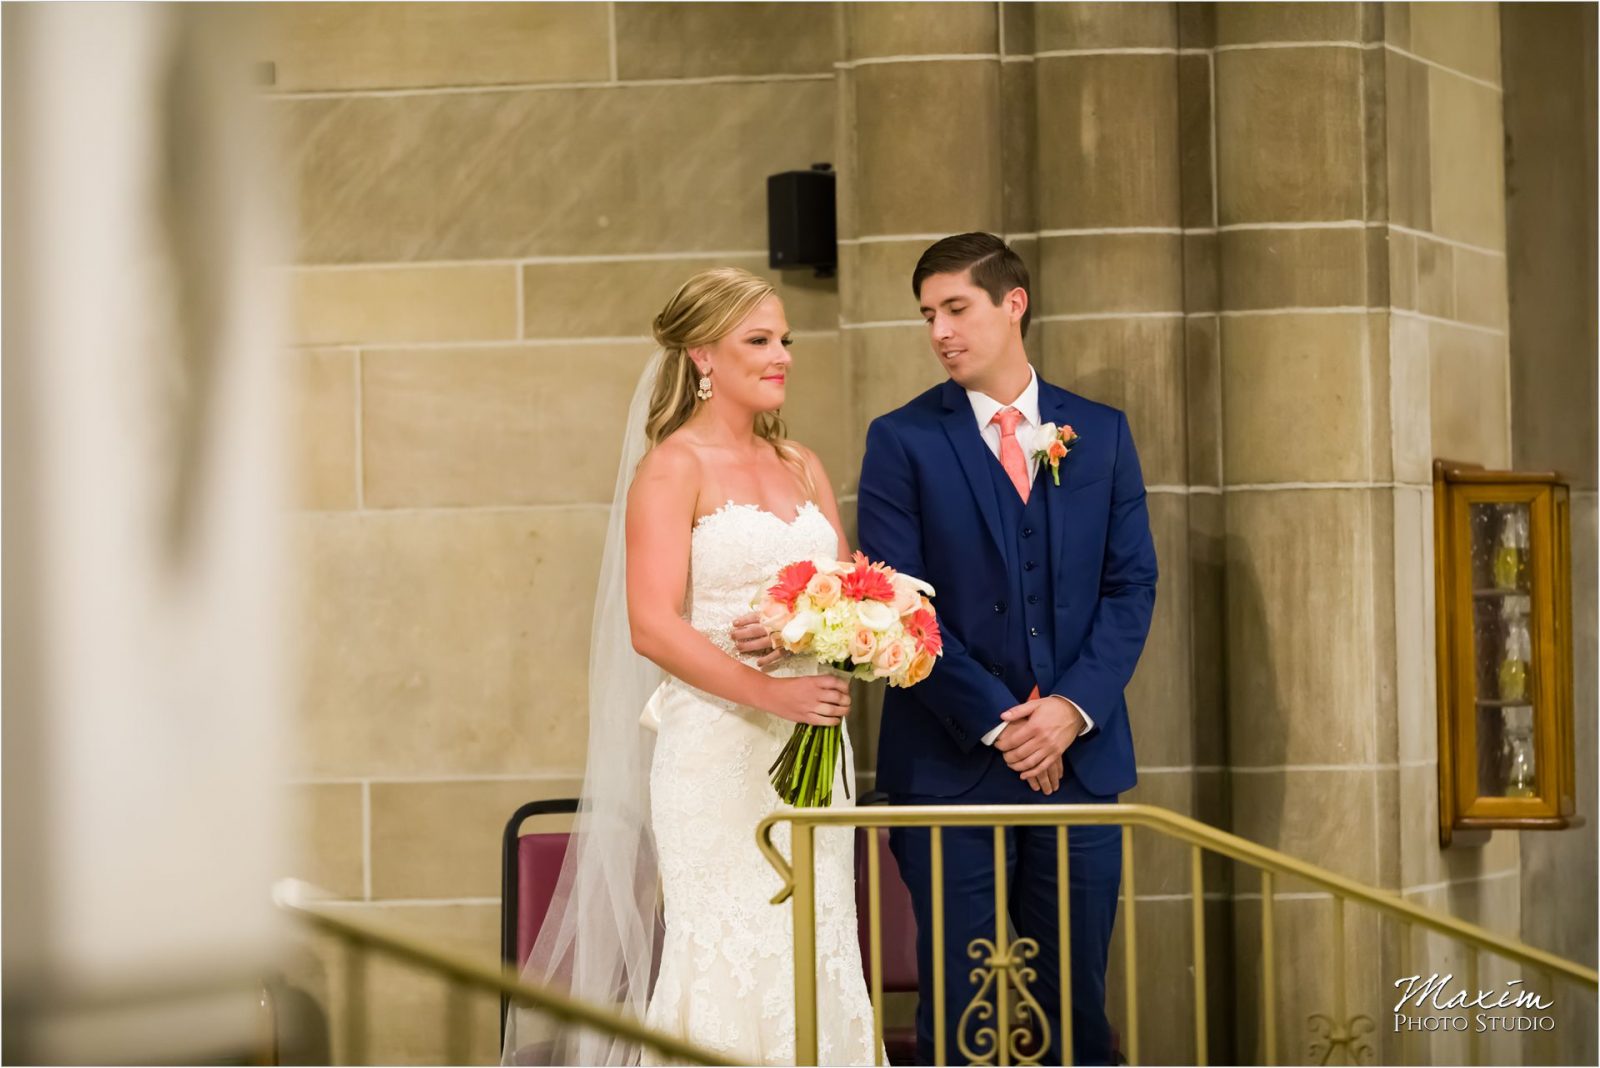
(1043, 435)
(876, 615)
(828, 566)
(802, 624)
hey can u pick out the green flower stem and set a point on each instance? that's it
(806, 766)
(798, 782)
(818, 757)
(804, 770)
(825, 769)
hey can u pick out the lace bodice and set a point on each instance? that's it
(738, 549)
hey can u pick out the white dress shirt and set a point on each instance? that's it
(984, 408)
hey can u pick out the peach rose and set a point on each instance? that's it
(775, 615)
(891, 658)
(906, 598)
(863, 644)
(1057, 450)
(921, 667)
(824, 590)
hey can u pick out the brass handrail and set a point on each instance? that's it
(1268, 861)
(1177, 826)
(295, 898)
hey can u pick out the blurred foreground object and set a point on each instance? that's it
(144, 687)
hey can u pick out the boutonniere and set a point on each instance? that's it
(1051, 444)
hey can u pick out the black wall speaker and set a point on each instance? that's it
(801, 231)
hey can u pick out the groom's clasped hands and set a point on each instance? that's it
(1036, 735)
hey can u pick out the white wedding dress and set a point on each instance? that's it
(726, 977)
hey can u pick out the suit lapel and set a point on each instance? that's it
(1054, 408)
(962, 430)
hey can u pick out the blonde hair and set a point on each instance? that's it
(703, 311)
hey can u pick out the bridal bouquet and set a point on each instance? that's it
(861, 620)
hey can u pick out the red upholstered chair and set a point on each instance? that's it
(529, 866)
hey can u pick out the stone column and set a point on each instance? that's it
(1444, 215)
(1122, 189)
(1274, 234)
(1549, 59)
(1360, 229)
(919, 158)
(1058, 127)
(1308, 492)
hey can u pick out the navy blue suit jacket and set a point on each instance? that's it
(927, 506)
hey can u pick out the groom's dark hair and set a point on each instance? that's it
(996, 268)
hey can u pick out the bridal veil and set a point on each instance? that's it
(599, 939)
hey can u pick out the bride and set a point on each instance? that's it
(685, 717)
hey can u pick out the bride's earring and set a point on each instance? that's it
(704, 392)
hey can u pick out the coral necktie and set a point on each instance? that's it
(1011, 457)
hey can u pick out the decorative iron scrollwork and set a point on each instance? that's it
(1327, 1036)
(1026, 1035)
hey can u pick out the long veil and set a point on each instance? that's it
(598, 942)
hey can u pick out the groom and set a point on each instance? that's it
(1045, 591)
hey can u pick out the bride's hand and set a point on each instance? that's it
(820, 700)
(750, 638)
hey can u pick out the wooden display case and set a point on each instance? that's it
(1503, 582)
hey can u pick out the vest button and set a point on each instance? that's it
(994, 669)
(999, 606)
(1033, 598)
(1033, 632)
(1029, 566)
(1027, 532)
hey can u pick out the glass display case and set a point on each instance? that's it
(1503, 594)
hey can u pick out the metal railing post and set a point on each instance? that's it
(1197, 888)
(1130, 940)
(1064, 922)
(805, 946)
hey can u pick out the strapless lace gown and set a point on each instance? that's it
(727, 960)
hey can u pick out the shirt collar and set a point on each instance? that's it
(984, 406)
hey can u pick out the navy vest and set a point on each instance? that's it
(1028, 607)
